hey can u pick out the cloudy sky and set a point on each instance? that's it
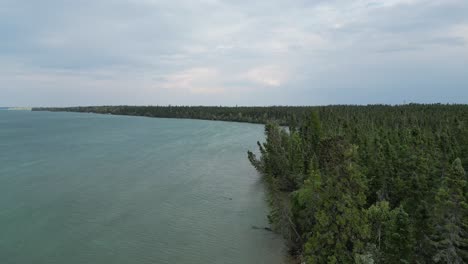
(228, 52)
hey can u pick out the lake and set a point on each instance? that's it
(88, 188)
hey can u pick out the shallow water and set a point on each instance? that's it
(87, 188)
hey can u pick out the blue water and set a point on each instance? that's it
(87, 188)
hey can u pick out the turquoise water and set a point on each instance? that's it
(87, 188)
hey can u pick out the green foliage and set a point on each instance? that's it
(398, 242)
(379, 216)
(450, 217)
(340, 228)
(296, 158)
(376, 184)
(391, 234)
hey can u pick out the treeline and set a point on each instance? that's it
(261, 115)
(374, 184)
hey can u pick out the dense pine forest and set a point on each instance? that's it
(356, 184)
(372, 184)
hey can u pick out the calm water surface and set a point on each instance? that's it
(87, 188)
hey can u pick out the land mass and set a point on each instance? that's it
(355, 184)
(16, 108)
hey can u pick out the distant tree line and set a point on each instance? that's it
(356, 184)
(261, 115)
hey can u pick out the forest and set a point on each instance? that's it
(374, 184)
(356, 184)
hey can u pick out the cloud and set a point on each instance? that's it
(195, 80)
(224, 51)
(206, 80)
(460, 32)
(267, 75)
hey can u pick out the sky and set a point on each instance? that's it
(232, 52)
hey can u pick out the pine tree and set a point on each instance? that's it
(296, 159)
(304, 201)
(311, 133)
(391, 234)
(378, 214)
(399, 241)
(340, 229)
(450, 217)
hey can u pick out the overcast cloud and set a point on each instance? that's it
(228, 52)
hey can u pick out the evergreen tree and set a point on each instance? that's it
(311, 133)
(296, 159)
(399, 241)
(450, 217)
(340, 229)
(378, 214)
